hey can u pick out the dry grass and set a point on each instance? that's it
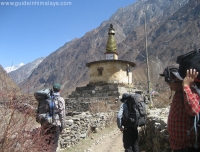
(18, 133)
(17, 120)
(99, 106)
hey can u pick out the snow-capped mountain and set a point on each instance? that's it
(25, 71)
(13, 68)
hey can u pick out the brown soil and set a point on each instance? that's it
(111, 142)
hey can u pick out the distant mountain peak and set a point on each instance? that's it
(13, 67)
(24, 71)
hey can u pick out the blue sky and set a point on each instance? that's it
(29, 30)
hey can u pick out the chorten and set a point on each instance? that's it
(110, 70)
(108, 78)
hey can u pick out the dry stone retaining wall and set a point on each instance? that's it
(79, 125)
(156, 136)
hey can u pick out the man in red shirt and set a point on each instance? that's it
(184, 106)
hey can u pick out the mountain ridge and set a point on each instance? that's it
(8, 88)
(67, 64)
(24, 71)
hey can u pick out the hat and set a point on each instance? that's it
(124, 97)
(176, 73)
(173, 69)
(56, 86)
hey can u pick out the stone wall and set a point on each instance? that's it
(79, 125)
(155, 135)
(92, 91)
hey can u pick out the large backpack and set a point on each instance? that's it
(136, 110)
(190, 60)
(46, 110)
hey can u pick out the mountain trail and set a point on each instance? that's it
(111, 142)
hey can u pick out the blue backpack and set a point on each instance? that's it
(46, 110)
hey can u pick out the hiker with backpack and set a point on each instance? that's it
(130, 116)
(51, 115)
(184, 107)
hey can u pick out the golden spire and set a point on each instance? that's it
(111, 43)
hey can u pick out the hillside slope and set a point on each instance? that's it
(67, 64)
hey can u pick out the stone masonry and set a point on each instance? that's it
(102, 90)
(155, 135)
(79, 125)
(80, 122)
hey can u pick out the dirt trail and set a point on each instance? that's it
(111, 142)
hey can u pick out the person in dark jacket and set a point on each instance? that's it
(130, 134)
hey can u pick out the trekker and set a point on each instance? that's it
(130, 134)
(184, 106)
(51, 132)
